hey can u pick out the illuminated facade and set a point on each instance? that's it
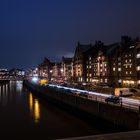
(79, 63)
(43, 69)
(66, 69)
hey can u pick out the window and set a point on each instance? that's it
(119, 80)
(129, 60)
(114, 69)
(89, 58)
(119, 69)
(105, 80)
(101, 65)
(126, 60)
(130, 72)
(126, 55)
(126, 72)
(119, 63)
(138, 68)
(130, 66)
(105, 64)
(119, 58)
(105, 69)
(138, 55)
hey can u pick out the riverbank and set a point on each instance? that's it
(118, 116)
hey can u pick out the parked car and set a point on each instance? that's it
(113, 99)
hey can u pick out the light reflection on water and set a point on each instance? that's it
(4, 94)
(34, 107)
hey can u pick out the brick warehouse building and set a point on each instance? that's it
(116, 65)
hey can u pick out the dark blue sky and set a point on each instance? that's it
(32, 29)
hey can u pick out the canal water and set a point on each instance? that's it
(24, 116)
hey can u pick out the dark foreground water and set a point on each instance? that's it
(23, 116)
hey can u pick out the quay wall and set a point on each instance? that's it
(116, 115)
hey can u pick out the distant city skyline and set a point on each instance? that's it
(31, 30)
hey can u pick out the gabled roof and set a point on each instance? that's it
(83, 47)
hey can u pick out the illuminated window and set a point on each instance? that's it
(130, 72)
(129, 54)
(89, 58)
(119, 58)
(100, 70)
(126, 72)
(105, 69)
(138, 68)
(119, 80)
(129, 60)
(90, 74)
(126, 60)
(113, 69)
(126, 66)
(138, 55)
(90, 66)
(101, 80)
(119, 63)
(119, 69)
(105, 64)
(101, 65)
(126, 55)
(87, 67)
(105, 80)
(130, 66)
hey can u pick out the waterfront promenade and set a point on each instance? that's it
(131, 135)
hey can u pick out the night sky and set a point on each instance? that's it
(32, 29)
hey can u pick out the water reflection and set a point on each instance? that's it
(19, 86)
(34, 108)
(4, 94)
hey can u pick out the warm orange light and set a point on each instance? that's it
(36, 111)
(31, 102)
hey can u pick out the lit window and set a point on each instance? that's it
(119, 58)
(129, 54)
(90, 74)
(101, 80)
(101, 65)
(126, 60)
(130, 66)
(89, 58)
(126, 72)
(105, 69)
(129, 60)
(138, 68)
(119, 63)
(113, 69)
(90, 66)
(119, 69)
(87, 67)
(105, 80)
(130, 72)
(100, 70)
(138, 55)
(105, 64)
(119, 80)
(126, 66)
